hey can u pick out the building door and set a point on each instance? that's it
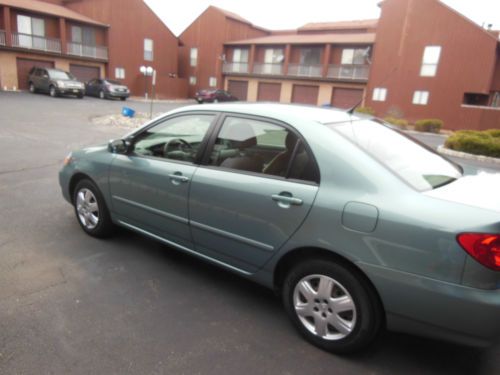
(238, 89)
(85, 73)
(346, 98)
(305, 94)
(269, 92)
(23, 70)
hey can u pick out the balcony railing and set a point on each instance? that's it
(2, 38)
(36, 42)
(235, 67)
(349, 72)
(95, 52)
(304, 70)
(268, 68)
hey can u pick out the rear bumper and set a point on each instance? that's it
(437, 309)
(68, 91)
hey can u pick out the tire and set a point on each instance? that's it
(123, 99)
(32, 88)
(80, 96)
(102, 95)
(199, 101)
(91, 210)
(343, 316)
(216, 100)
(52, 91)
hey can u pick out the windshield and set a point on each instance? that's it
(57, 74)
(420, 167)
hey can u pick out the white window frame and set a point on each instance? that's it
(119, 73)
(379, 94)
(430, 61)
(192, 80)
(212, 82)
(349, 56)
(421, 97)
(148, 49)
(193, 56)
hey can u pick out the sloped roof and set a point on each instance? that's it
(50, 9)
(365, 38)
(236, 17)
(355, 24)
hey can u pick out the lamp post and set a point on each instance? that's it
(146, 71)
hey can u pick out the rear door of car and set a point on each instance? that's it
(239, 213)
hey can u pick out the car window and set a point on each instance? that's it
(261, 147)
(177, 138)
(58, 74)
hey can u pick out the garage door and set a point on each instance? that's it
(238, 89)
(269, 92)
(23, 70)
(346, 98)
(305, 94)
(85, 73)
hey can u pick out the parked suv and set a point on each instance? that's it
(55, 82)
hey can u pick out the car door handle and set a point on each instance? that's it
(287, 199)
(178, 177)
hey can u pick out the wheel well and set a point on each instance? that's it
(298, 255)
(74, 181)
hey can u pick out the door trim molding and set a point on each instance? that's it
(152, 210)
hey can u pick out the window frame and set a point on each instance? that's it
(119, 69)
(146, 56)
(193, 61)
(205, 162)
(379, 90)
(434, 65)
(418, 95)
(193, 80)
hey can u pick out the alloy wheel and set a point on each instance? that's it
(87, 208)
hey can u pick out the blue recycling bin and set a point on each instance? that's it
(128, 112)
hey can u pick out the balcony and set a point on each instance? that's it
(2, 38)
(35, 42)
(349, 72)
(235, 67)
(268, 69)
(95, 52)
(303, 70)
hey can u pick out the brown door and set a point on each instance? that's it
(269, 92)
(238, 89)
(305, 94)
(346, 98)
(85, 73)
(23, 70)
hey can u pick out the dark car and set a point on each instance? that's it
(106, 89)
(54, 82)
(214, 96)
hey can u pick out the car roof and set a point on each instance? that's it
(282, 112)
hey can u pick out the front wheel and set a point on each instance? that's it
(102, 95)
(90, 209)
(332, 306)
(52, 91)
(32, 88)
(123, 99)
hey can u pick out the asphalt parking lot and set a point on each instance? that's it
(72, 304)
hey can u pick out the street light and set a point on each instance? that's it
(146, 71)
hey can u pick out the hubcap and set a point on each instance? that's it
(87, 208)
(324, 307)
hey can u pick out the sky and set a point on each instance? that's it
(290, 14)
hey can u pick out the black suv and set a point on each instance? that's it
(55, 82)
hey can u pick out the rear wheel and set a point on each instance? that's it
(216, 100)
(102, 95)
(52, 91)
(90, 209)
(332, 306)
(32, 88)
(123, 99)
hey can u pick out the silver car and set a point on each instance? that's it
(354, 224)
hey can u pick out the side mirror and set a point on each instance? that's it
(119, 146)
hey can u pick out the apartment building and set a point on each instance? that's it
(89, 38)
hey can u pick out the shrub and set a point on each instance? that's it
(366, 110)
(399, 122)
(495, 133)
(429, 125)
(475, 142)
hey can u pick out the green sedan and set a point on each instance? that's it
(356, 226)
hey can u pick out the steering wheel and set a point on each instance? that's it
(180, 145)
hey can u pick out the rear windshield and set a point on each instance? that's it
(57, 74)
(419, 166)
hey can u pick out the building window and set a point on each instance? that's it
(274, 56)
(212, 81)
(119, 73)
(193, 57)
(29, 28)
(352, 56)
(421, 97)
(310, 56)
(148, 49)
(379, 94)
(240, 60)
(430, 61)
(192, 80)
(83, 35)
(496, 100)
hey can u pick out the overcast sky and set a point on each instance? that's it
(290, 14)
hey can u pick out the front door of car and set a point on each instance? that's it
(253, 192)
(150, 185)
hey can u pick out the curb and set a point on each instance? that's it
(464, 155)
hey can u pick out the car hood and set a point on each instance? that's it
(481, 190)
(70, 82)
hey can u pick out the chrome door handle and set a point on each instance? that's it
(287, 199)
(178, 177)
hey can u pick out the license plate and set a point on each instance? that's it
(75, 91)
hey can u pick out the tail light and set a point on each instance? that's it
(485, 248)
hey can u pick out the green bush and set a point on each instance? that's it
(365, 110)
(399, 122)
(476, 142)
(429, 125)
